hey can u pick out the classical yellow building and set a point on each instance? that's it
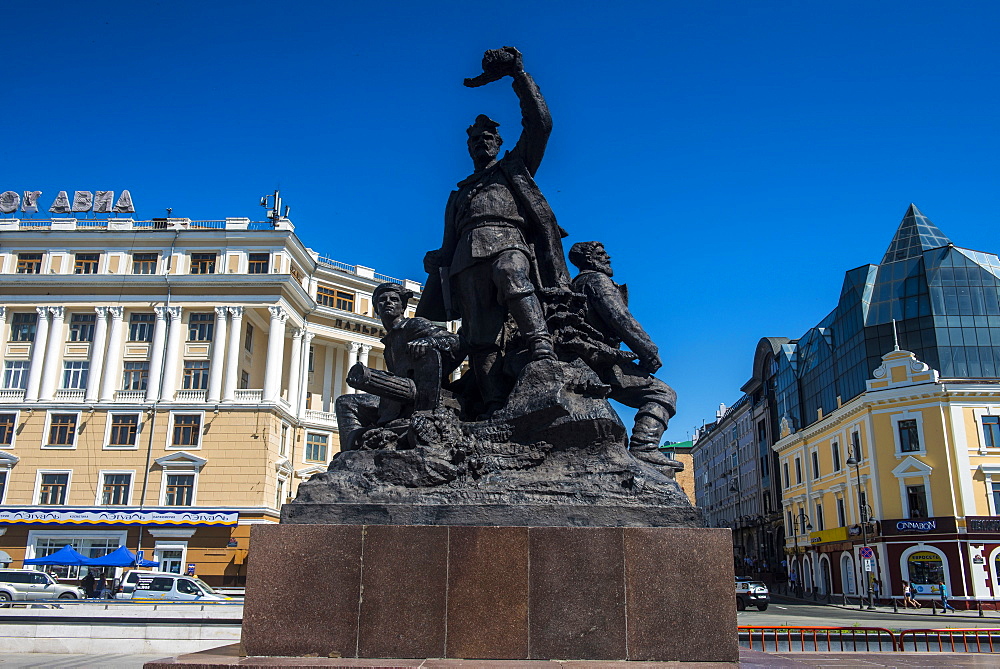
(168, 383)
(906, 468)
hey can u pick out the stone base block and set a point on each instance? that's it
(517, 593)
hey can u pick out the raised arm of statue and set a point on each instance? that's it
(536, 121)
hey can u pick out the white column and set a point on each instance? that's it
(156, 352)
(275, 353)
(304, 381)
(338, 374)
(352, 359)
(365, 350)
(53, 359)
(218, 355)
(38, 354)
(97, 348)
(295, 370)
(233, 355)
(175, 341)
(328, 377)
(113, 358)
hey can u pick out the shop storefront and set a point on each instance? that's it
(924, 552)
(206, 542)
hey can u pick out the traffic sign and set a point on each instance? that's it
(867, 552)
(869, 565)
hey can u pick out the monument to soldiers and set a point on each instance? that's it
(504, 513)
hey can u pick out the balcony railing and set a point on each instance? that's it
(190, 395)
(248, 395)
(130, 395)
(71, 394)
(321, 416)
(8, 394)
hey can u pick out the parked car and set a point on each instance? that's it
(174, 587)
(28, 584)
(752, 593)
(131, 577)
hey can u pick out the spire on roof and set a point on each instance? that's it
(915, 235)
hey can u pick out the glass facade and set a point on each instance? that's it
(942, 301)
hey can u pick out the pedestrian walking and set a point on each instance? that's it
(876, 588)
(943, 589)
(88, 584)
(908, 599)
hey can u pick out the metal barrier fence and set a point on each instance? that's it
(950, 640)
(817, 639)
(868, 639)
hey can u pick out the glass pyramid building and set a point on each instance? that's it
(942, 300)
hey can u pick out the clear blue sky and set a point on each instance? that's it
(736, 158)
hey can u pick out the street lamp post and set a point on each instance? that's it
(865, 512)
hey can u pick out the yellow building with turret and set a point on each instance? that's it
(906, 471)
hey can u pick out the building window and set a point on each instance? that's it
(52, 489)
(3, 485)
(196, 375)
(835, 452)
(791, 525)
(22, 326)
(244, 379)
(115, 489)
(991, 431)
(856, 446)
(86, 263)
(798, 471)
(140, 327)
(337, 299)
(279, 495)
(62, 429)
(203, 263)
(283, 444)
(15, 374)
(909, 441)
(248, 339)
(784, 471)
(996, 503)
(916, 500)
(819, 517)
(8, 421)
(135, 375)
(841, 513)
(144, 263)
(124, 430)
(258, 263)
(81, 327)
(201, 327)
(316, 447)
(75, 374)
(187, 430)
(29, 263)
(180, 490)
(815, 464)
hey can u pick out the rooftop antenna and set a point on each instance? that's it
(274, 202)
(895, 337)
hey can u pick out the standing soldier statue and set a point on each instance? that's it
(501, 240)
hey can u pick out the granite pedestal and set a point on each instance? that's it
(518, 593)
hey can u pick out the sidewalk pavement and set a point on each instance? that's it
(926, 610)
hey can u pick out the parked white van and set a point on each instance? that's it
(174, 587)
